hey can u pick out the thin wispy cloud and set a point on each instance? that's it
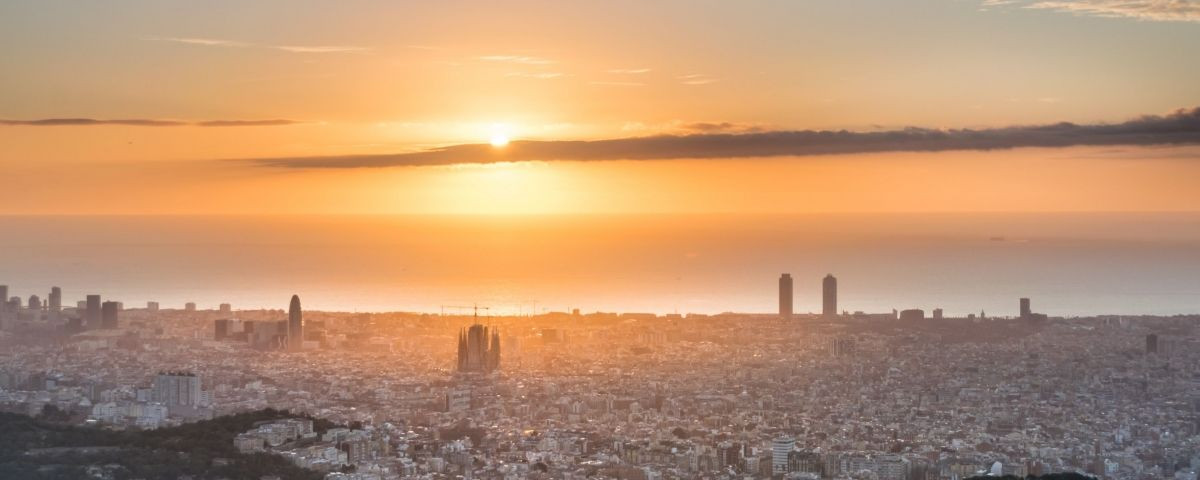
(321, 49)
(617, 84)
(143, 122)
(629, 71)
(217, 42)
(537, 75)
(1148, 10)
(696, 79)
(520, 59)
(1178, 128)
(207, 42)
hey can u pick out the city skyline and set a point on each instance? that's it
(600, 240)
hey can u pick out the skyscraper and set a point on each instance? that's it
(829, 296)
(785, 295)
(3, 297)
(478, 349)
(295, 331)
(55, 300)
(108, 315)
(1026, 311)
(780, 448)
(91, 315)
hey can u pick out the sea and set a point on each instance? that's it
(1069, 264)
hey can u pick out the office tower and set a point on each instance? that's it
(91, 317)
(152, 306)
(221, 328)
(189, 306)
(35, 302)
(478, 349)
(829, 296)
(225, 308)
(937, 314)
(1151, 343)
(1026, 312)
(785, 295)
(295, 330)
(177, 389)
(912, 314)
(108, 315)
(55, 300)
(780, 449)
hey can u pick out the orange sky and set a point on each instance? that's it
(393, 77)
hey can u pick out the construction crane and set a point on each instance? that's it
(475, 308)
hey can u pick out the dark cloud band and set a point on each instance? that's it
(1180, 127)
(142, 122)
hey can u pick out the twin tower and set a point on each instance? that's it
(828, 296)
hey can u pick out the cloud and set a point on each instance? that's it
(217, 42)
(1149, 10)
(618, 84)
(207, 42)
(722, 127)
(245, 123)
(696, 79)
(142, 122)
(537, 75)
(629, 71)
(1180, 127)
(521, 59)
(320, 48)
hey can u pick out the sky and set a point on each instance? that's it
(306, 107)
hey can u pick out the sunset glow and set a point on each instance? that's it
(600, 239)
(377, 83)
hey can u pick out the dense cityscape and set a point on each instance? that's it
(836, 394)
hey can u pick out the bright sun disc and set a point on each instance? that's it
(499, 140)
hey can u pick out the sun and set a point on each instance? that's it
(499, 140)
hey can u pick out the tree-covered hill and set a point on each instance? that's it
(39, 448)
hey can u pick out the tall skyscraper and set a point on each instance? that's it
(295, 331)
(829, 296)
(35, 302)
(478, 349)
(780, 448)
(91, 315)
(785, 295)
(108, 315)
(55, 300)
(1026, 311)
